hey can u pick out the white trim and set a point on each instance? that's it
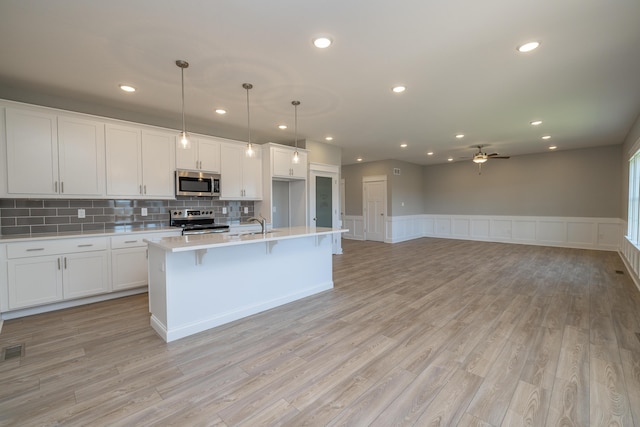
(333, 172)
(355, 225)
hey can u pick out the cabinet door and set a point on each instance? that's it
(281, 160)
(252, 175)
(129, 268)
(32, 152)
(34, 281)
(231, 158)
(85, 274)
(158, 164)
(124, 163)
(81, 157)
(187, 158)
(299, 170)
(209, 154)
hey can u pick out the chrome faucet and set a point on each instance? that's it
(262, 221)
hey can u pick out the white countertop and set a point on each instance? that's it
(206, 241)
(93, 233)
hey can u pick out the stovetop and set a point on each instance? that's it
(195, 221)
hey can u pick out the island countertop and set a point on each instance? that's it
(212, 240)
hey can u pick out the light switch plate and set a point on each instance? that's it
(224, 210)
(246, 209)
(81, 213)
(143, 212)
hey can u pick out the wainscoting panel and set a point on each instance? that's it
(480, 228)
(570, 232)
(630, 254)
(355, 225)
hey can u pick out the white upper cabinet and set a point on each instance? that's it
(124, 161)
(50, 155)
(282, 165)
(203, 155)
(158, 170)
(140, 163)
(240, 176)
(81, 157)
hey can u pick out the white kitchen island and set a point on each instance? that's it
(198, 282)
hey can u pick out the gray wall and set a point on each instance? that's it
(576, 183)
(580, 183)
(319, 152)
(405, 188)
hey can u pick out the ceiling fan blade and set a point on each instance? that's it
(492, 154)
(501, 157)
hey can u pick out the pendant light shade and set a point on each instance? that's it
(296, 156)
(250, 152)
(183, 140)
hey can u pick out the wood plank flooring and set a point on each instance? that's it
(423, 333)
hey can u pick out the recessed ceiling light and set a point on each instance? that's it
(322, 42)
(546, 137)
(535, 122)
(127, 88)
(329, 138)
(221, 111)
(282, 126)
(552, 147)
(460, 136)
(528, 47)
(430, 153)
(399, 89)
(450, 159)
(403, 145)
(359, 159)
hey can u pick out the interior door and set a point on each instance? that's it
(324, 205)
(374, 210)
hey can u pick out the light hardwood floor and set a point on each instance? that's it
(421, 333)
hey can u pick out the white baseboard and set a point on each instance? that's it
(67, 304)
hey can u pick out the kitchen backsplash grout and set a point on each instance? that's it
(35, 216)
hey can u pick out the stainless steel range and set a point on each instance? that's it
(195, 221)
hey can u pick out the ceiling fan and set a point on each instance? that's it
(481, 157)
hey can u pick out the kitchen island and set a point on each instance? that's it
(198, 282)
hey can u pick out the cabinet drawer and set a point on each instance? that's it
(128, 241)
(49, 247)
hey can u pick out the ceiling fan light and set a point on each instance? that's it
(528, 47)
(480, 159)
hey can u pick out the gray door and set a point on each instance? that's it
(324, 199)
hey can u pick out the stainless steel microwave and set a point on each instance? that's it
(190, 183)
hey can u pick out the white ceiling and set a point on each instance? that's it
(457, 58)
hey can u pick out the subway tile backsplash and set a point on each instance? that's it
(36, 216)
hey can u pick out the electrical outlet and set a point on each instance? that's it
(81, 213)
(224, 210)
(246, 209)
(143, 212)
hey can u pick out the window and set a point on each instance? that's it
(633, 219)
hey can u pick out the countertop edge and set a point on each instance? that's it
(181, 243)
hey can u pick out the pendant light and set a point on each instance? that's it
(184, 141)
(249, 152)
(296, 156)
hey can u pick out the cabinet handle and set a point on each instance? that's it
(55, 187)
(145, 189)
(61, 186)
(141, 189)
(131, 241)
(86, 245)
(200, 164)
(58, 263)
(65, 263)
(35, 249)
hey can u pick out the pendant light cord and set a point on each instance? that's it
(248, 86)
(184, 129)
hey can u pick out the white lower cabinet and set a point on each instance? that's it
(129, 260)
(41, 272)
